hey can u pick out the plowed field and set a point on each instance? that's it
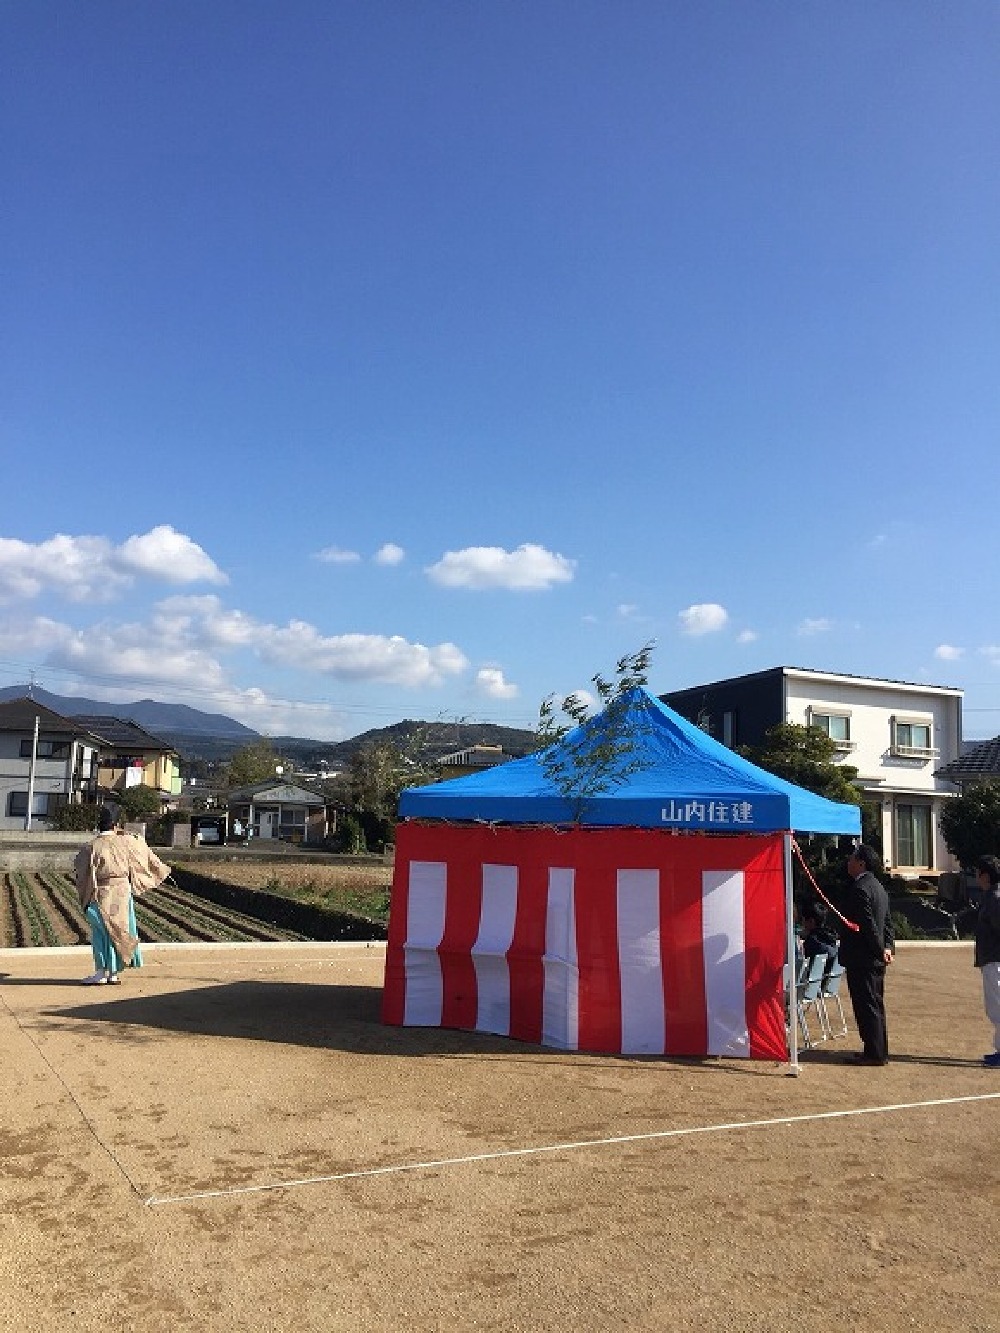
(40, 909)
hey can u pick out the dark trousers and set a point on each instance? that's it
(867, 990)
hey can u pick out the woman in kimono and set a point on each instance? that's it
(115, 865)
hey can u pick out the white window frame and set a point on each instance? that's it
(827, 712)
(904, 749)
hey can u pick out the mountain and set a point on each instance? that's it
(432, 738)
(164, 720)
(214, 737)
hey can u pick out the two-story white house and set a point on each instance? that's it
(897, 735)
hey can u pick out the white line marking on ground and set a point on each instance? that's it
(155, 1201)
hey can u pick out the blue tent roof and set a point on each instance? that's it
(684, 779)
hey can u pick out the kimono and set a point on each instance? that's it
(115, 865)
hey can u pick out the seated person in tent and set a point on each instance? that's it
(817, 937)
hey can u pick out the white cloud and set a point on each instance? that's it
(206, 619)
(275, 716)
(528, 569)
(91, 569)
(703, 618)
(490, 681)
(627, 610)
(947, 653)
(387, 660)
(113, 651)
(992, 652)
(390, 554)
(747, 636)
(132, 653)
(379, 658)
(814, 625)
(335, 555)
(163, 553)
(32, 638)
(78, 568)
(186, 637)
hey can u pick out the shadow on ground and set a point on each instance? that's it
(340, 1018)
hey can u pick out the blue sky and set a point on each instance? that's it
(364, 361)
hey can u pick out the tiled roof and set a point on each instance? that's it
(121, 731)
(20, 714)
(980, 761)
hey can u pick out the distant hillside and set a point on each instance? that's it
(438, 738)
(163, 720)
(215, 738)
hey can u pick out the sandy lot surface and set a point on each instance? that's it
(232, 1141)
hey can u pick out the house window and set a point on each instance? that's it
(43, 804)
(46, 750)
(913, 835)
(835, 725)
(912, 738)
(293, 820)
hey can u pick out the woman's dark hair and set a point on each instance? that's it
(107, 818)
(991, 865)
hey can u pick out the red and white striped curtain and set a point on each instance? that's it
(635, 941)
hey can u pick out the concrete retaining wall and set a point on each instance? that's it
(35, 851)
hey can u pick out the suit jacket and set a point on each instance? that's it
(866, 903)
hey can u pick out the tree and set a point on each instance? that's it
(140, 803)
(252, 763)
(379, 772)
(805, 756)
(582, 755)
(970, 824)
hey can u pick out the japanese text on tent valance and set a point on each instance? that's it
(711, 814)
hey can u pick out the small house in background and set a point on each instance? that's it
(473, 759)
(130, 756)
(277, 809)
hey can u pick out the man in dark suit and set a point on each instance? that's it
(867, 952)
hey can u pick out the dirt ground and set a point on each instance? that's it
(232, 1141)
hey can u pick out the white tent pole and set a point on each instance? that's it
(793, 1012)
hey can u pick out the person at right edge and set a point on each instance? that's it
(867, 952)
(985, 915)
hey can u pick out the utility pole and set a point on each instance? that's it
(31, 778)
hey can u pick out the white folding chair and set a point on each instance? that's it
(830, 992)
(808, 997)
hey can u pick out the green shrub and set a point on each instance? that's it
(76, 818)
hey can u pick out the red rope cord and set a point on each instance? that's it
(851, 925)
